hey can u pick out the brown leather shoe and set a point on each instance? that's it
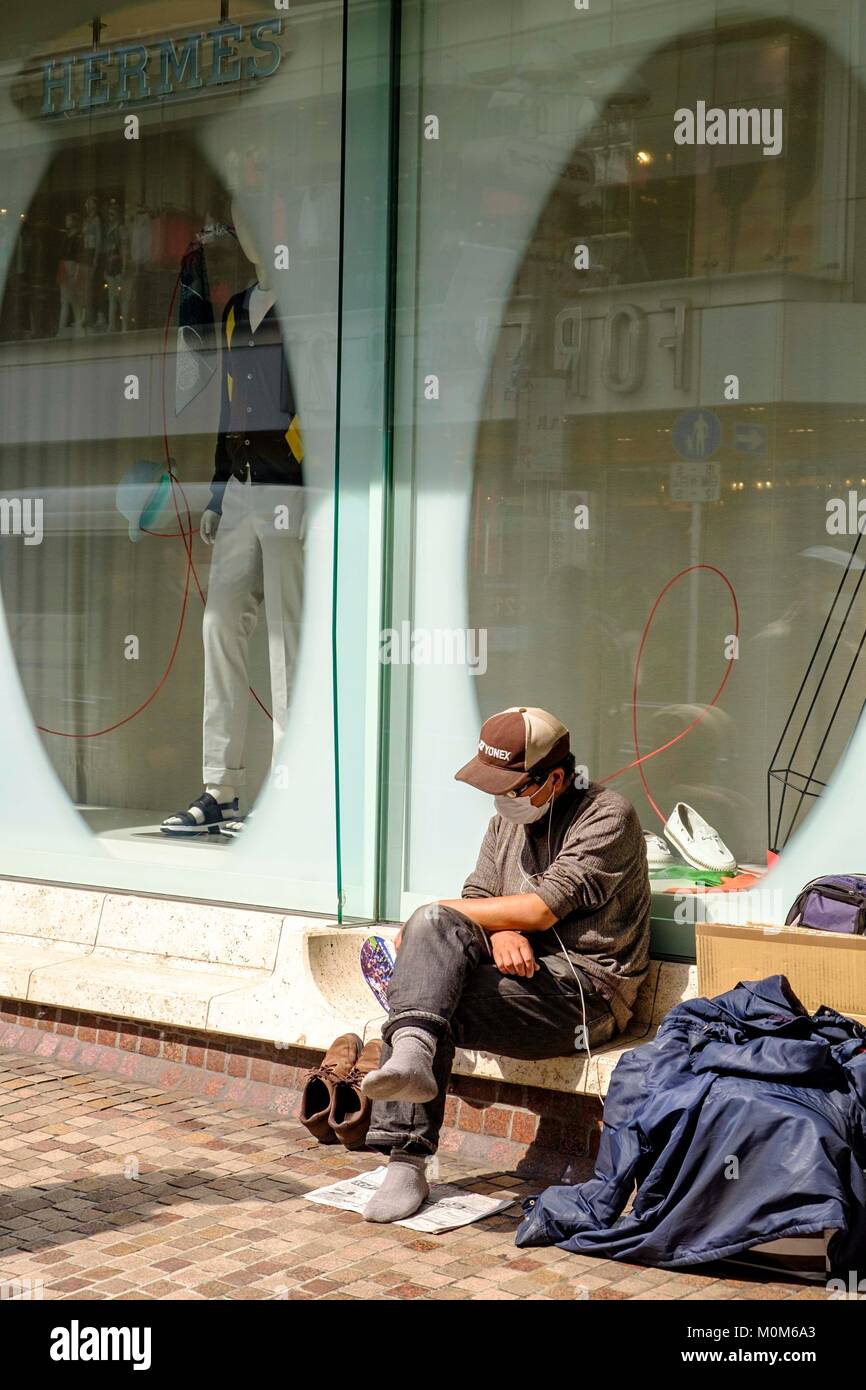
(320, 1089)
(349, 1119)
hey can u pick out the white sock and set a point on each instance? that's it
(221, 792)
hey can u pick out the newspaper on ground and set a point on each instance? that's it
(447, 1207)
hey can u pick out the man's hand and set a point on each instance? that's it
(513, 954)
(209, 523)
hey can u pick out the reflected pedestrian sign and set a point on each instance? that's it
(696, 434)
(749, 438)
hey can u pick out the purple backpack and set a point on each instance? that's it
(836, 903)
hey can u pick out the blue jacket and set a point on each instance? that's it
(743, 1121)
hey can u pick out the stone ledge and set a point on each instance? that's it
(290, 981)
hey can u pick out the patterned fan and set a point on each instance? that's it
(377, 965)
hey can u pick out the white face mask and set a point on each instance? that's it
(520, 808)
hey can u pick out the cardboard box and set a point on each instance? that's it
(822, 967)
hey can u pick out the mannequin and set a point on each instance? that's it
(91, 236)
(116, 256)
(254, 521)
(70, 274)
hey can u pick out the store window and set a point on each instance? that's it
(627, 400)
(170, 268)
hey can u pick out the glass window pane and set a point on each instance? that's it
(169, 257)
(624, 400)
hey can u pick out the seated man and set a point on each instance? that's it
(543, 954)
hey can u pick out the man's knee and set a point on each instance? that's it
(434, 917)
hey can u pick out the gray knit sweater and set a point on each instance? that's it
(593, 877)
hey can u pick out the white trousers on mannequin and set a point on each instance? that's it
(254, 562)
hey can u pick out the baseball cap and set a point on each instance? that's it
(518, 741)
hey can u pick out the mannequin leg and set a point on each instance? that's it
(235, 593)
(114, 290)
(65, 309)
(79, 297)
(67, 299)
(283, 562)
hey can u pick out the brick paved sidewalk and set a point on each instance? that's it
(114, 1190)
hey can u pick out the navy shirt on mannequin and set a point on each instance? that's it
(259, 435)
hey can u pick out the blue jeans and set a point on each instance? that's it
(445, 979)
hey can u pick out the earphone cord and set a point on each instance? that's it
(531, 885)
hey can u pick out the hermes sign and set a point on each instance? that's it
(231, 53)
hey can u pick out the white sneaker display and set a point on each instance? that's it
(658, 851)
(698, 843)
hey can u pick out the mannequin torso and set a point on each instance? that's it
(261, 300)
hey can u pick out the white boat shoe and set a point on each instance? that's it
(698, 843)
(658, 851)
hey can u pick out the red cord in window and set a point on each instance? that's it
(640, 759)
